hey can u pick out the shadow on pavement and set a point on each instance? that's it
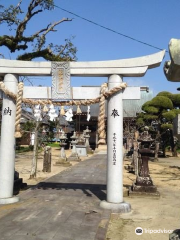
(96, 189)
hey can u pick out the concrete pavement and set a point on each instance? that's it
(64, 207)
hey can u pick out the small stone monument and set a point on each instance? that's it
(74, 156)
(133, 167)
(47, 159)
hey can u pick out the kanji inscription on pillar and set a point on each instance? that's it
(115, 113)
(7, 111)
(114, 148)
(61, 87)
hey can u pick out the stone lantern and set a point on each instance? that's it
(74, 156)
(62, 160)
(144, 184)
(87, 137)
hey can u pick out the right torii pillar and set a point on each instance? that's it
(115, 150)
(114, 198)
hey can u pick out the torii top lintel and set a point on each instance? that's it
(132, 67)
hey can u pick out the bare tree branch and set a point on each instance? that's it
(50, 29)
(30, 13)
(38, 39)
(18, 6)
(22, 26)
(9, 15)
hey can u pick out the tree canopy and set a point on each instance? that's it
(161, 110)
(34, 45)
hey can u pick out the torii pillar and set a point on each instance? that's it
(115, 149)
(7, 150)
(115, 70)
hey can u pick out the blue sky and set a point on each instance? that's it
(154, 22)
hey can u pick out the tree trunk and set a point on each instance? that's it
(35, 152)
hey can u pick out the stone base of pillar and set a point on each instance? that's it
(74, 157)
(123, 207)
(11, 200)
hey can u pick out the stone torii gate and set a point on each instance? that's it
(115, 71)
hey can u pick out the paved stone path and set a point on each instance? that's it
(64, 207)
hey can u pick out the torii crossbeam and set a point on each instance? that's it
(133, 67)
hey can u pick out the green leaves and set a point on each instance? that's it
(175, 99)
(46, 4)
(150, 109)
(9, 15)
(166, 126)
(161, 109)
(161, 102)
(165, 94)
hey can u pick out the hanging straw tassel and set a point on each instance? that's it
(88, 113)
(62, 112)
(78, 110)
(45, 108)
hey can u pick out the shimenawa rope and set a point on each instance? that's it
(101, 120)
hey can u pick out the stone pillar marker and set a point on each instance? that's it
(7, 151)
(115, 150)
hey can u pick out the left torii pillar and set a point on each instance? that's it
(7, 149)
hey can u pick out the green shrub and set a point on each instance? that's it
(162, 102)
(24, 149)
(165, 94)
(176, 99)
(150, 117)
(140, 122)
(53, 144)
(150, 109)
(166, 126)
(169, 115)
